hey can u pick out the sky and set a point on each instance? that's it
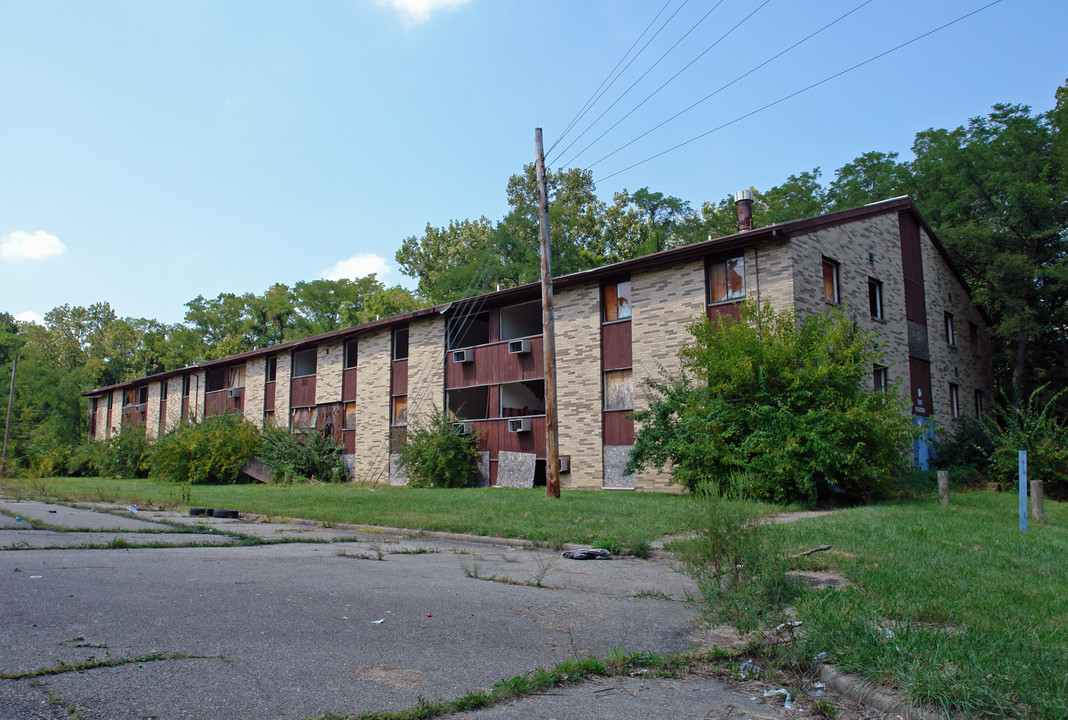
(151, 152)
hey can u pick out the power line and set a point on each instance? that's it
(594, 96)
(732, 82)
(802, 90)
(667, 82)
(646, 72)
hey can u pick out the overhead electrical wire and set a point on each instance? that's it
(732, 82)
(593, 98)
(666, 83)
(642, 76)
(802, 90)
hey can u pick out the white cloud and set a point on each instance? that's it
(358, 266)
(21, 245)
(31, 317)
(419, 11)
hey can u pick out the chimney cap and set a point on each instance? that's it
(743, 196)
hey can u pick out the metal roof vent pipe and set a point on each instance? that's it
(744, 200)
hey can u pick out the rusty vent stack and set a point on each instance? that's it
(744, 200)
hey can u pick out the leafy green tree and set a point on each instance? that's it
(800, 196)
(436, 256)
(783, 400)
(872, 177)
(437, 454)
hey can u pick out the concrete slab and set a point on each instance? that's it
(42, 539)
(71, 517)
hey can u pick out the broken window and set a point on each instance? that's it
(523, 398)
(303, 418)
(350, 354)
(618, 390)
(304, 363)
(521, 320)
(215, 379)
(272, 368)
(467, 330)
(236, 377)
(400, 410)
(616, 301)
(471, 403)
(726, 280)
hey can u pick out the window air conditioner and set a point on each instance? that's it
(518, 425)
(233, 392)
(463, 356)
(518, 347)
(465, 428)
(565, 463)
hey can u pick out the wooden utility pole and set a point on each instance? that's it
(7, 423)
(552, 453)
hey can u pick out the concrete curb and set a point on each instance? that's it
(858, 690)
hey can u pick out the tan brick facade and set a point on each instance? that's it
(283, 370)
(329, 367)
(372, 406)
(152, 411)
(664, 301)
(578, 383)
(255, 383)
(426, 371)
(174, 402)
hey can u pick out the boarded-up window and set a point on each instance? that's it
(616, 298)
(303, 418)
(268, 417)
(726, 280)
(304, 363)
(618, 390)
(237, 377)
(830, 281)
(400, 410)
(350, 416)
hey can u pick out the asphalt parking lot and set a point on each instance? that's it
(201, 624)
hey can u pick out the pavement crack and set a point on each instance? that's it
(63, 667)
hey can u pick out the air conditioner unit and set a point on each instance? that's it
(233, 392)
(463, 356)
(518, 347)
(465, 428)
(518, 425)
(565, 463)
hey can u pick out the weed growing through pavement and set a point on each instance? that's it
(651, 595)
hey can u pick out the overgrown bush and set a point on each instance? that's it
(1032, 426)
(212, 450)
(965, 452)
(308, 456)
(738, 562)
(787, 401)
(86, 459)
(124, 455)
(438, 454)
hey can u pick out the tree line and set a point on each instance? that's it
(995, 191)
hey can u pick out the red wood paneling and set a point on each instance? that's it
(920, 380)
(237, 402)
(162, 416)
(348, 384)
(302, 391)
(494, 364)
(725, 311)
(268, 396)
(912, 268)
(616, 345)
(399, 384)
(495, 436)
(185, 409)
(215, 402)
(619, 427)
(397, 437)
(348, 437)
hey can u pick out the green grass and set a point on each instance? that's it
(620, 521)
(953, 605)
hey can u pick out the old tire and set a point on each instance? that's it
(198, 512)
(225, 514)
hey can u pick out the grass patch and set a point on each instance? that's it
(63, 667)
(953, 605)
(623, 522)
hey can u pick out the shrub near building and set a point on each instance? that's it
(782, 398)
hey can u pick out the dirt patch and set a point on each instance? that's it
(394, 677)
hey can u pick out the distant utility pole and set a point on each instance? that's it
(7, 423)
(552, 453)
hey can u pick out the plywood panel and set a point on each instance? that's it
(616, 345)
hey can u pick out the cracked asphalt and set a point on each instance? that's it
(341, 620)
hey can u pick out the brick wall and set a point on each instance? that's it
(197, 392)
(152, 411)
(282, 372)
(174, 402)
(116, 411)
(869, 248)
(372, 405)
(255, 379)
(329, 368)
(426, 368)
(664, 301)
(769, 274)
(958, 364)
(577, 312)
(102, 417)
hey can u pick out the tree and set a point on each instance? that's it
(781, 399)
(872, 177)
(436, 257)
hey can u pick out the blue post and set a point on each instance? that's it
(1023, 490)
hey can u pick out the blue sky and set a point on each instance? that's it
(154, 151)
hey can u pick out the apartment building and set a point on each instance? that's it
(481, 358)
